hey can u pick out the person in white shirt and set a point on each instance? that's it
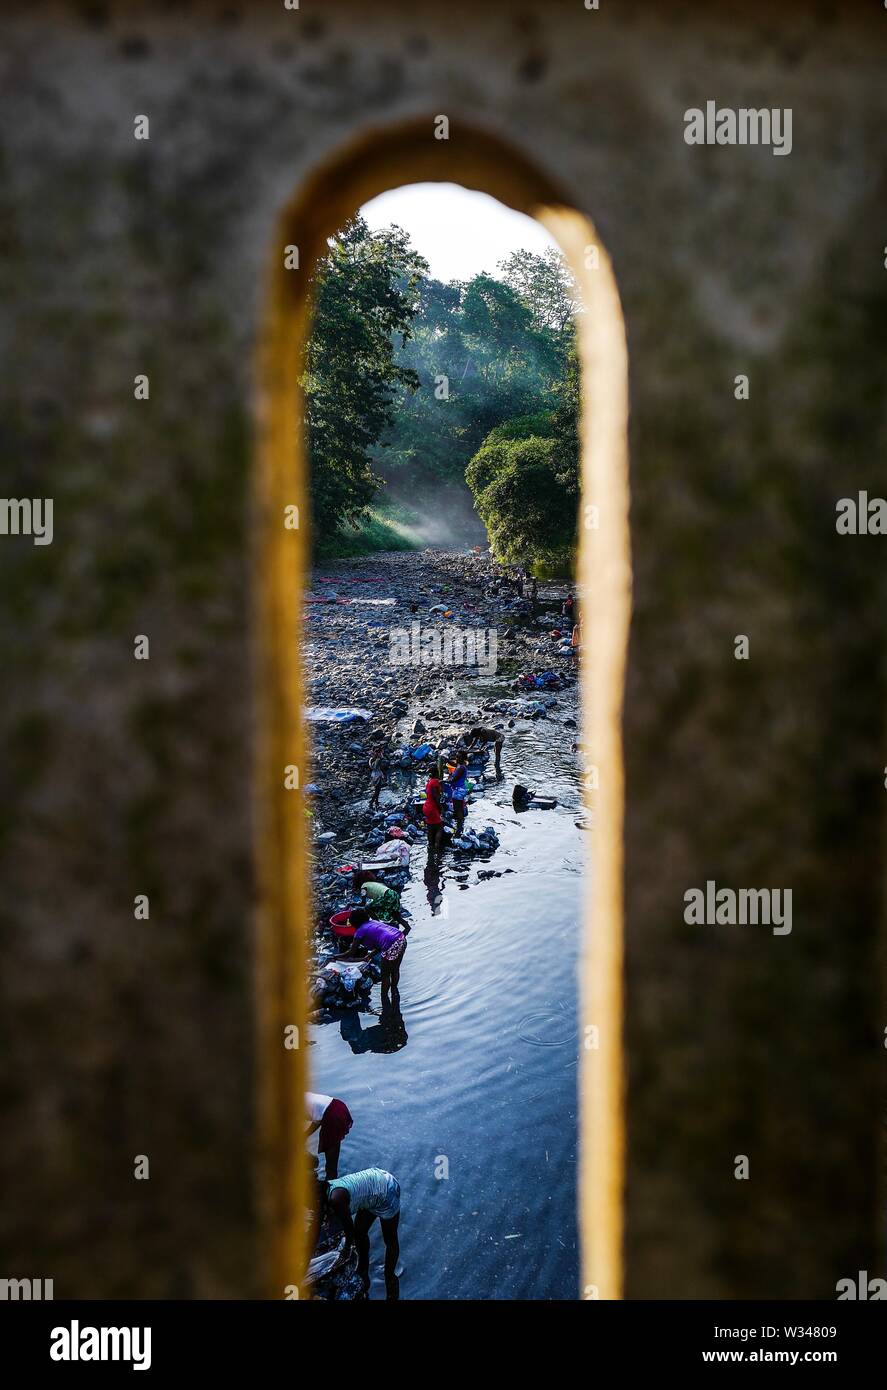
(333, 1118)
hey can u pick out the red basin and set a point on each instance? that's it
(339, 923)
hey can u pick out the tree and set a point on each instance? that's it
(499, 361)
(525, 482)
(366, 295)
(545, 286)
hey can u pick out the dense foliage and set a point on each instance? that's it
(366, 297)
(525, 483)
(410, 380)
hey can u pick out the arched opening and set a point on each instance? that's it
(382, 160)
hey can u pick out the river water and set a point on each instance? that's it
(468, 1093)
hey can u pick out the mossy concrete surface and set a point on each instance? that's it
(120, 777)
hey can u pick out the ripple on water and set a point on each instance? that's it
(548, 1027)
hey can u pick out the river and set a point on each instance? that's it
(468, 1093)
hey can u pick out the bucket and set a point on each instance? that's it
(339, 923)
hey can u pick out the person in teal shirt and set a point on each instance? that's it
(355, 1200)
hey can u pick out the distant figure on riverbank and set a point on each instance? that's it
(372, 936)
(479, 737)
(568, 609)
(355, 1201)
(378, 773)
(432, 810)
(333, 1118)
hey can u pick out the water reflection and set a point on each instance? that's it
(388, 1035)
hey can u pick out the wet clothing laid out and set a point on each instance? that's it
(431, 807)
(395, 851)
(377, 936)
(372, 1189)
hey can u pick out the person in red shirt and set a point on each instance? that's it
(432, 810)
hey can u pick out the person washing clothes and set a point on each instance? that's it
(355, 1201)
(432, 810)
(479, 736)
(457, 786)
(333, 1118)
(372, 936)
(384, 903)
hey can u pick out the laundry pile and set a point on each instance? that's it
(476, 841)
(344, 985)
(540, 680)
(332, 1275)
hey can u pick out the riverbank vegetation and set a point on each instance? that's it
(439, 396)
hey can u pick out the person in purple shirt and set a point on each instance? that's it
(374, 936)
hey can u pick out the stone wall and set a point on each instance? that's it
(120, 777)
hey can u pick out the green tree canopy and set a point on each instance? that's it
(412, 381)
(484, 351)
(367, 293)
(525, 482)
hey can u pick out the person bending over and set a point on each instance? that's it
(384, 904)
(333, 1118)
(372, 936)
(355, 1201)
(479, 737)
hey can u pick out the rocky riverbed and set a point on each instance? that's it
(352, 617)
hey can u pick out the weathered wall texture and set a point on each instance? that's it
(120, 777)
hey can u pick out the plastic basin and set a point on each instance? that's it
(339, 923)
